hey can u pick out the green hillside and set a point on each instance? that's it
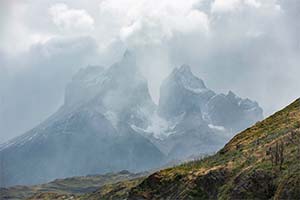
(262, 162)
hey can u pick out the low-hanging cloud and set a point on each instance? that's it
(32, 84)
(248, 46)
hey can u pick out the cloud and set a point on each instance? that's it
(151, 22)
(253, 3)
(71, 19)
(32, 83)
(224, 5)
(228, 6)
(248, 46)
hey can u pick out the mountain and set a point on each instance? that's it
(232, 112)
(90, 133)
(261, 162)
(195, 120)
(108, 123)
(182, 91)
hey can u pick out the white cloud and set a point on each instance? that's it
(225, 6)
(253, 3)
(217, 128)
(71, 19)
(32, 84)
(220, 6)
(151, 22)
(229, 43)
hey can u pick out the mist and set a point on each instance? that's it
(251, 47)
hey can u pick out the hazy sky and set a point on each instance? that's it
(251, 47)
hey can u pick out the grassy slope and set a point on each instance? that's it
(241, 170)
(117, 191)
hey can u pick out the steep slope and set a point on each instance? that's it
(90, 133)
(261, 162)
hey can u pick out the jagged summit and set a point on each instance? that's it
(185, 69)
(129, 55)
(205, 117)
(184, 76)
(230, 94)
(126, 67)
(182, 91)
(104, 87)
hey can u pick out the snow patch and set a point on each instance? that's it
(196, 90)
(217, 128)
(112, 117)
(159, 128)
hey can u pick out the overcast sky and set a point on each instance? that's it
(251, 47)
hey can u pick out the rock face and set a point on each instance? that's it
(232, 112)
(108, 122)
(182, 92)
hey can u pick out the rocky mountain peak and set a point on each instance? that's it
(182, 91)
(185, 69)
(127, 64)
(184, 76)
(94, 81)
(231, 94)
(129, 55)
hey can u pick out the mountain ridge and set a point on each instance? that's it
(108, 122)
